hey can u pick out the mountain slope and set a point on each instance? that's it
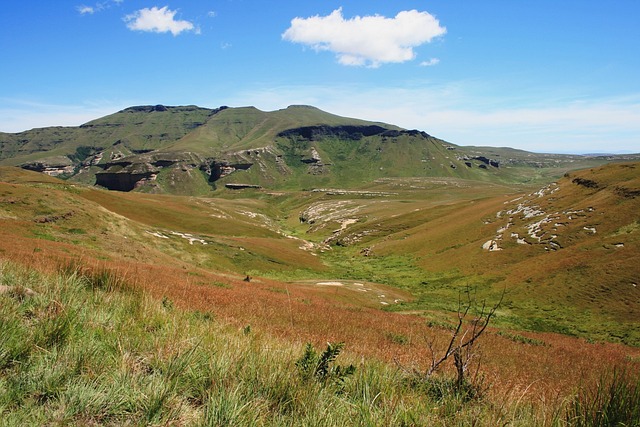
(237, 129)
(135, 129)
(193, 150)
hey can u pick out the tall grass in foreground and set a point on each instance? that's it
(615, 401)
(87, 349)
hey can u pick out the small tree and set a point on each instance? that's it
(464, 337)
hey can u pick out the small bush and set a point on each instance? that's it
(321, 367)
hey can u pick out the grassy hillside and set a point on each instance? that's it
(210, 300)
(189, 150)
(566, 255)
(134, 129)
(242, 235)
(86, 347)
(237, 129)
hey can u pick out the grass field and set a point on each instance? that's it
(90, 348)
(145, 296)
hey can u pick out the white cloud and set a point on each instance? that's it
(368, 40)
(158, 20)
(98, 7)
(84, 10)
(430, 63)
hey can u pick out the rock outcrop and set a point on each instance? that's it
(233, 186)
(487, 161)
(52, 166)
(130, 172)
(316, 133)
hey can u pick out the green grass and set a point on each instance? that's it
(84, 351)
(615, 401)
(88, 349)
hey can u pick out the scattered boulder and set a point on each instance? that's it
(491, 246)
(627, 193)
(53, 218)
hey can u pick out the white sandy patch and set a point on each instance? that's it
(189, 237)
(330, 283)
(156, 234)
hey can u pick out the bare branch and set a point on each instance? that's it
(460, 345)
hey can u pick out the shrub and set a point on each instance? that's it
(321, 367)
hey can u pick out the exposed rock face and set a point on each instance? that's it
(221, 169)
(585, 183)
(53, 166)
(127, 173)
(241, 186)
(487, 161)
(125, 178)
(315, 133)
(316, 165)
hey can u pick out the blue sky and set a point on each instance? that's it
(546, 75)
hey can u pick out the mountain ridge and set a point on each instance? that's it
(194, 150)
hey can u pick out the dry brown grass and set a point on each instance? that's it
(301, 313)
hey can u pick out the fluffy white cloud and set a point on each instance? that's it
(368, 40)
(158, 20)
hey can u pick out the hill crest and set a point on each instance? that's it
(194, 150)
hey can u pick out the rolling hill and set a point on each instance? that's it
(300, 226)
(565, 254)
(323, 196)
(193, 150)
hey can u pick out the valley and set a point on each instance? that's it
(308, 227)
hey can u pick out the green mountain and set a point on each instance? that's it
(193, 150)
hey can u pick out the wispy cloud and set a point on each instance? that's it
(430, 63)
(158, 20)
(20, 115)
(455, 113)
(368, 40)
(98, 7)
(86, 10)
